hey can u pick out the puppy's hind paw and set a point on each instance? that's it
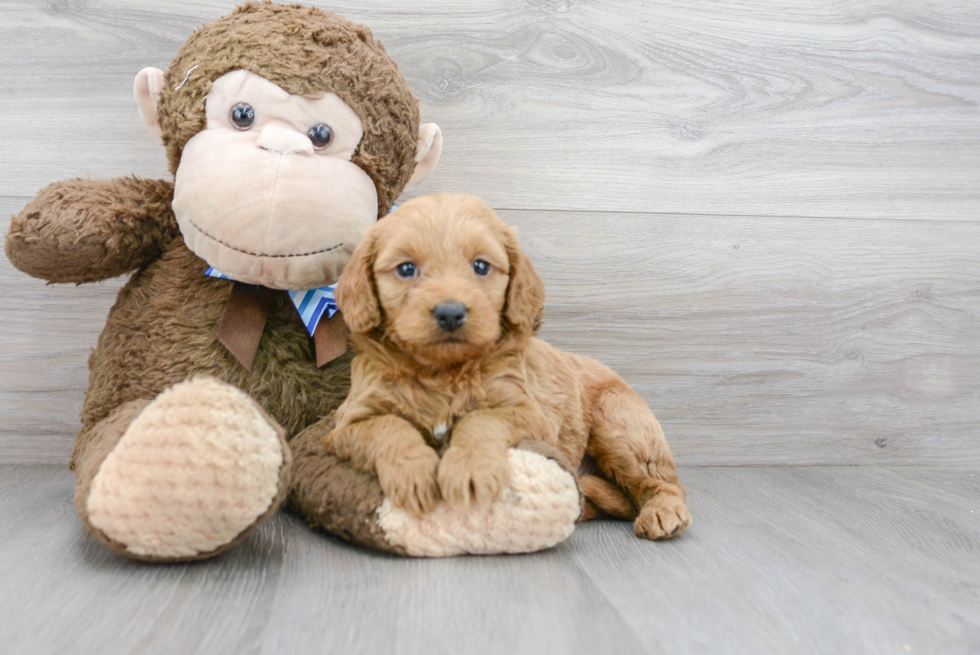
(466, 476)
(662, 517)
(410, 480)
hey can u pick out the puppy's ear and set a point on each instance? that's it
(355, 293)
(525, 290)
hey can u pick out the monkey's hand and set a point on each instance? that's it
(90, 230)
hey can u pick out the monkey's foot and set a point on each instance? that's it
(538, 511)
(196, 470)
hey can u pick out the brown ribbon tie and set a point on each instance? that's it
(244, 322)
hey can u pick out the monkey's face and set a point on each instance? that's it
(267, 193)
(289, 131)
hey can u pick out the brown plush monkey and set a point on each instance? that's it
(289, 131)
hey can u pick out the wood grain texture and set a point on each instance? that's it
(804, 560)
(681, 173)
(848, 560)
(756, 341)
(847, 109)
(776, 341)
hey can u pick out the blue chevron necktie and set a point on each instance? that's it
(311, 304)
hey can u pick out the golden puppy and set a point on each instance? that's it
(441, 303)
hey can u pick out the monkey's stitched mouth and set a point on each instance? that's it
(259, 254)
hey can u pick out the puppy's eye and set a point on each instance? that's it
(321, 135)
(406, 270)
(242, 116)
(481, 268)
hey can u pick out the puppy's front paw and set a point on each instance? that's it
(662, 517)
(409, 480)
(467, 476)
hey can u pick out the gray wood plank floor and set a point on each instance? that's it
(839, 560)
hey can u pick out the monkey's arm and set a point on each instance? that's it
(90, 230)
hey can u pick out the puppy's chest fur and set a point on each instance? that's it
(435, 406)
(540, 375)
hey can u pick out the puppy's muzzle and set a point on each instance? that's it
(450, 316)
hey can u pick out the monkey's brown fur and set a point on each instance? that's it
(489, 382)
(162, 328)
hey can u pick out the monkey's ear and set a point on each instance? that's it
(146, 88)
(525, 290)
(430, 147)
(355, 290)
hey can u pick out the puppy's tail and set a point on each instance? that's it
(603, 498)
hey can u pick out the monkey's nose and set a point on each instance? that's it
(284, 141)
(450, 316)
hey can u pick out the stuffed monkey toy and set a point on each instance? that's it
(289, 131)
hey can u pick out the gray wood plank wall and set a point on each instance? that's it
(711, 190)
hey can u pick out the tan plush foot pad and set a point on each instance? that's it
(537, 512)
(197, 467)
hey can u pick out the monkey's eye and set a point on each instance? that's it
(243, 116)
(406, 270)
(481, 267)
(321, 135)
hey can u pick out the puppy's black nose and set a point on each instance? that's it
(450, 316)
